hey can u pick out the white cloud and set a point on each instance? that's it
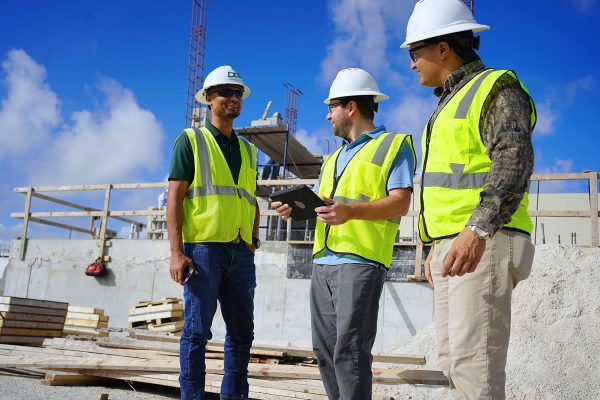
(112, 144)
(547, 116)
(410, 116)
(560, 166)
(361, 37)
(8, 233)
(318, 142)
(30, 110)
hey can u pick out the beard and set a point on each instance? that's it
(341, 128)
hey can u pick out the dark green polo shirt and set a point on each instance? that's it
(182, 161)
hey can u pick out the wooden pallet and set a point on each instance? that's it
(30, 321)
(164, 315)
(86, 321)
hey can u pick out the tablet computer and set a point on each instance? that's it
(302, 200)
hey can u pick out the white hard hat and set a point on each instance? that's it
(433, 18)
(354, 82)
(223, 75)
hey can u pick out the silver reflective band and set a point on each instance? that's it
(244, 194)
(203, 156)
(382, 150)
(465, 103)
(361, 199)
(457, 180)
(211, 190)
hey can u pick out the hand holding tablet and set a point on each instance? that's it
(301, 199)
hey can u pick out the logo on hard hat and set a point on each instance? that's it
(233, 74)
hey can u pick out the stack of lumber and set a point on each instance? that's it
(30, 321)
(86, 321)
(155, 359)
(164, 315)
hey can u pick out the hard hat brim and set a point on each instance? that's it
(444, 31)
(378, 96)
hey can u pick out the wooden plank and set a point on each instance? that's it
(133, 311)
(166, 300)
(414, 377)
(91, 347)
(159, 315)
(32, 310)
(167, 327)
(26, 216)
(31, 340)
(86, 310)
(4, 331)
(85, 323)
(79, 207)
(79, 330)
(18, 316)
(54, 379)
(59, 225)
(595, 235)
(104, 222)
(21, 301)
(87, 317)
(9, 323)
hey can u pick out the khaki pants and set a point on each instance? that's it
(472, 314)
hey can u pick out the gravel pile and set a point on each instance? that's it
(554, 349)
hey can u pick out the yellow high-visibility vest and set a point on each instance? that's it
(215, 209)
(363, 180)
(456, 163)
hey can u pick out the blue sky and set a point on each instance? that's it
(94, 92)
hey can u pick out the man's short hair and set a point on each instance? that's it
(463, 43)
(365, 104)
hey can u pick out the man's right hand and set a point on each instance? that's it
(427, 266)
(177, 264)
(284, 210)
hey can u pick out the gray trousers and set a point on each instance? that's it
(344, 302)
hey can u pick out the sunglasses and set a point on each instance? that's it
(331, 106)
(413, 56)
(229, 92)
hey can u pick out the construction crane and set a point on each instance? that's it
(195, 76)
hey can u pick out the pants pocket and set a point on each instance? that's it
(521, 256)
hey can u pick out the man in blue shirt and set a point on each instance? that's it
(367, 186)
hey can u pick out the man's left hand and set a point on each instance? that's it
(464, 255)
(335, 213)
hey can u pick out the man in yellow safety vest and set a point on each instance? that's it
(367, 184)
(477, 162)
(213, 220)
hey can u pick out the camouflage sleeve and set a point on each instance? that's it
(506, 133)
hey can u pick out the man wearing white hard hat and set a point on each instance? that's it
(367, 184)
(477, 162)
(213, 221)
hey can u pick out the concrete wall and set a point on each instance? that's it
(54, 270)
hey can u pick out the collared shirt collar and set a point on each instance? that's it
(466, 70)
(366, 136)
(216, 132)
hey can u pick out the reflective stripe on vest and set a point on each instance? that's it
(456, 163)
(364, 179)
(219, 211)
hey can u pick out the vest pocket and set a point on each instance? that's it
(452, 142)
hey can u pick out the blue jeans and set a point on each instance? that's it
(226, 273)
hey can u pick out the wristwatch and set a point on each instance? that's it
(255, 242)
(479, 232)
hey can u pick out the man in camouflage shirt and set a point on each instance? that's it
(477, 162)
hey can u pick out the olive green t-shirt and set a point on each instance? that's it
(182, 161)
